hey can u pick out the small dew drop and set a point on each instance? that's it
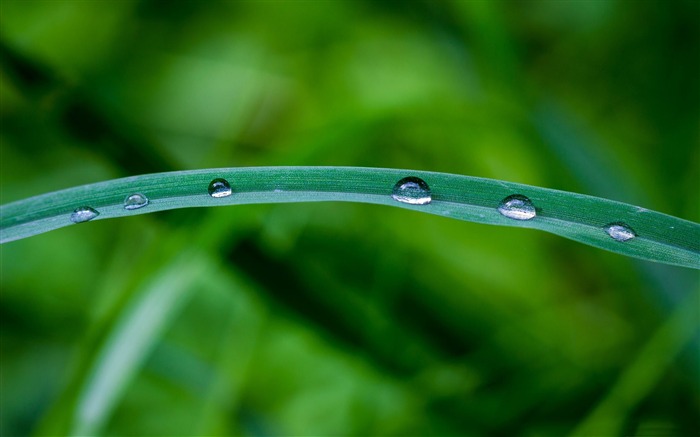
(412, 190)
(83, 214)
(620, 231)
(135, 201)
(517, 207)
(219, 188)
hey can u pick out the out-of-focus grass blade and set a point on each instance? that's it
(643, 374)
(656, 237)
(129, 343)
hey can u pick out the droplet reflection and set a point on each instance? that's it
(135, 201)
(620, 231)
(517, 207)
(219, 188)
(412, 190)
(83, 214)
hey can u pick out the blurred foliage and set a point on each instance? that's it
(345, 319)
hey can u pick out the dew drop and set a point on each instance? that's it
(517, 207)
(412, 190)
(620, 231)
(219, 188)
(135, 201)
(83, 214)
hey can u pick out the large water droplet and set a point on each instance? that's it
(219, 188)
(83, 214)
(517, 207)
(135, 201)
(412, 190)
(620, 231)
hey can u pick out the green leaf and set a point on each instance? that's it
(659, 237)
(130, 341)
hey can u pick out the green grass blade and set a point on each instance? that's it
(131, 340)
(643, 374)
(660, 237)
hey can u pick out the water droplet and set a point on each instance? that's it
(83, 214)
(412, 190)
(135, 201)
(620, 231)
(517, 207)
(219, 188)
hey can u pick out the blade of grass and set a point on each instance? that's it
(643, 374)
(582, 218)
(136, 332)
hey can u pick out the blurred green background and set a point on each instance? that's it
(334, 318)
